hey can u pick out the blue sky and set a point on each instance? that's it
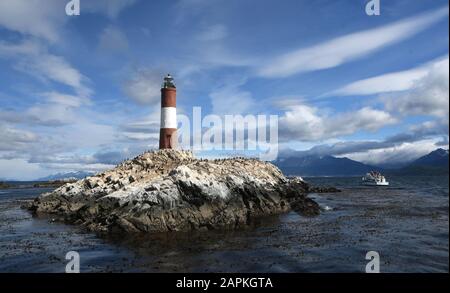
(82, 92)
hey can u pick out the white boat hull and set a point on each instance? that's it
(376, 183)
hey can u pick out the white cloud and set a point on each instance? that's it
(144, 87)
(58, 110)
(397, 154)
(56, 146)
(428, 96)
(232, 101)
(113, 39)
(228, 97)
(350, 47)
(20, 169)
(39, 18)
(51, 149)
(425, 130)
(27, 48)
(57, 69)
(66, 100)
(208, 49)
(34, 59)
(15, 139)
(389, 82)
(58, 167)
(438, 127)
(46, 18)
(306, 123)
(43, 114)
(87, 134)
(146, 129)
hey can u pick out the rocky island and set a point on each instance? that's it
(4, 185)
(171, 190)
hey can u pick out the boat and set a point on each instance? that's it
(374, 178)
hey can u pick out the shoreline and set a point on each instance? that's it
(32, 184)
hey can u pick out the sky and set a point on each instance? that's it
(83, 92)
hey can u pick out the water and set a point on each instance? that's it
(406, 223)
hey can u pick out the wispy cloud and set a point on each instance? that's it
(348, 48)
(428, 96)
(389, 82)
(58, 110)
(144, 86)
(394, 155)
(231, 99)
(113, 40)
(34, 59)
(385, 152)
(45, 18)
(306, 123)
(15, 139)
(39, 18)
(217, 54)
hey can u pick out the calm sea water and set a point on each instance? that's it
(406, 223)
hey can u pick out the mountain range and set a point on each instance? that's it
(322, 166)
(66, 176)
(434, 163)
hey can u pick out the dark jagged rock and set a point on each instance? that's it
(170, 190)
(4, 185)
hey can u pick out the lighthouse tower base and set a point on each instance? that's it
(167, 138)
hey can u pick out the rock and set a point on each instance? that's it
(4, 185)
(170, 190)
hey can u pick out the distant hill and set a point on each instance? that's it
(66, 176)
(437, 158)
(435, 163)
(322, 166)
(3, 185)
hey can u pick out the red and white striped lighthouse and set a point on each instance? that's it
(168, 131)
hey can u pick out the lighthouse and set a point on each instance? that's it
(167, 134)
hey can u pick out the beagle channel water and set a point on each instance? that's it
(405, 223)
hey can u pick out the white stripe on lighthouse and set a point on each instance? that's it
(169, 117)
